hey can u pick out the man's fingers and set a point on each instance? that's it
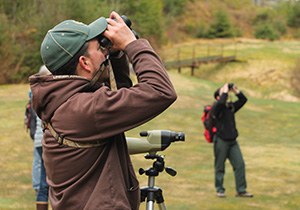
(111, 22)
(116, 16)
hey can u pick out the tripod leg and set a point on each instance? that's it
(150, 205)
(160, 199)
(162, 206)
(151, 198)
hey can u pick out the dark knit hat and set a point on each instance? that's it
(217, 93)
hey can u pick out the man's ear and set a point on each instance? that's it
(84, 63)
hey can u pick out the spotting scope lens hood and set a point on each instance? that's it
(157, 140)
(167, 137)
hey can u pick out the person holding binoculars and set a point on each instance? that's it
(225, 144)
(84, 147)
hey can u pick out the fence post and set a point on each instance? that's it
(208, 49)
(194, 62)
(178, 60)
(222, 48)
(235, 49)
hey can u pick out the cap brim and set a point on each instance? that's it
(97, 27)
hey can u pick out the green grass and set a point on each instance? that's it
(16, 150)
(269, 139)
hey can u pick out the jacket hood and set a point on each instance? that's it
(51, 91)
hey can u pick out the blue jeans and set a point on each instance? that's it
(36, 169)
(42, 195)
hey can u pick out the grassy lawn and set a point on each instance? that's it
(269, 139)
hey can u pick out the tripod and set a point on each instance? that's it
(151, 192)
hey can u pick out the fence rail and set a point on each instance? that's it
(190, 57)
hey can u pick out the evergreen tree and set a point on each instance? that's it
(293, 15)
(222, 26)
(147, 19)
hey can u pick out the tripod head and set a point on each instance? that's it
(157, 140)
(158, 166)
(151, 192)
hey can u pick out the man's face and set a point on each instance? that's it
(97, 55)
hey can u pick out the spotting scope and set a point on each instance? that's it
(157, 140)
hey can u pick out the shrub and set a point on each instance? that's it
(296, 35)
(268, 25)
(237, 32)
(280, 26)
(261, 17)
(221, 28)
(293, 16)
(266, 31)
(201, 32)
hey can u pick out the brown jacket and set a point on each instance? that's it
(99, 177)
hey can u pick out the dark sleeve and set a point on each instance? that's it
(121, 70)
(32, 122)
(219, 105)
(240, 102)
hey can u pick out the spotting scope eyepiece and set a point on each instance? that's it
(157, 140)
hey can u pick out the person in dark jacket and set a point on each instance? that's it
(84, 146)
(225, 143)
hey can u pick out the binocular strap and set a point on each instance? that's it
(112, 80)
(94, 80)
(62, 140)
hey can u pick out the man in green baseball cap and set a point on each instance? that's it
(64, 45)
(65, 40)
(84, 146)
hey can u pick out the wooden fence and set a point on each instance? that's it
(196, 55)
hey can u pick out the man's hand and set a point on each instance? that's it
(235, 90)
(118, 32)
(225, 88)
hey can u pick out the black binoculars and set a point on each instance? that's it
(230, 86)
(105, 42)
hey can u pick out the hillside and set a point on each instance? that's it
(161, 22)
(264, 68)
(239, 18)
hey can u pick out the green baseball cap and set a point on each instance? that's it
(63, 41)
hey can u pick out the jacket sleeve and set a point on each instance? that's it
(120, 65)
(219, 105)
(240, 102)
(32, 122)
